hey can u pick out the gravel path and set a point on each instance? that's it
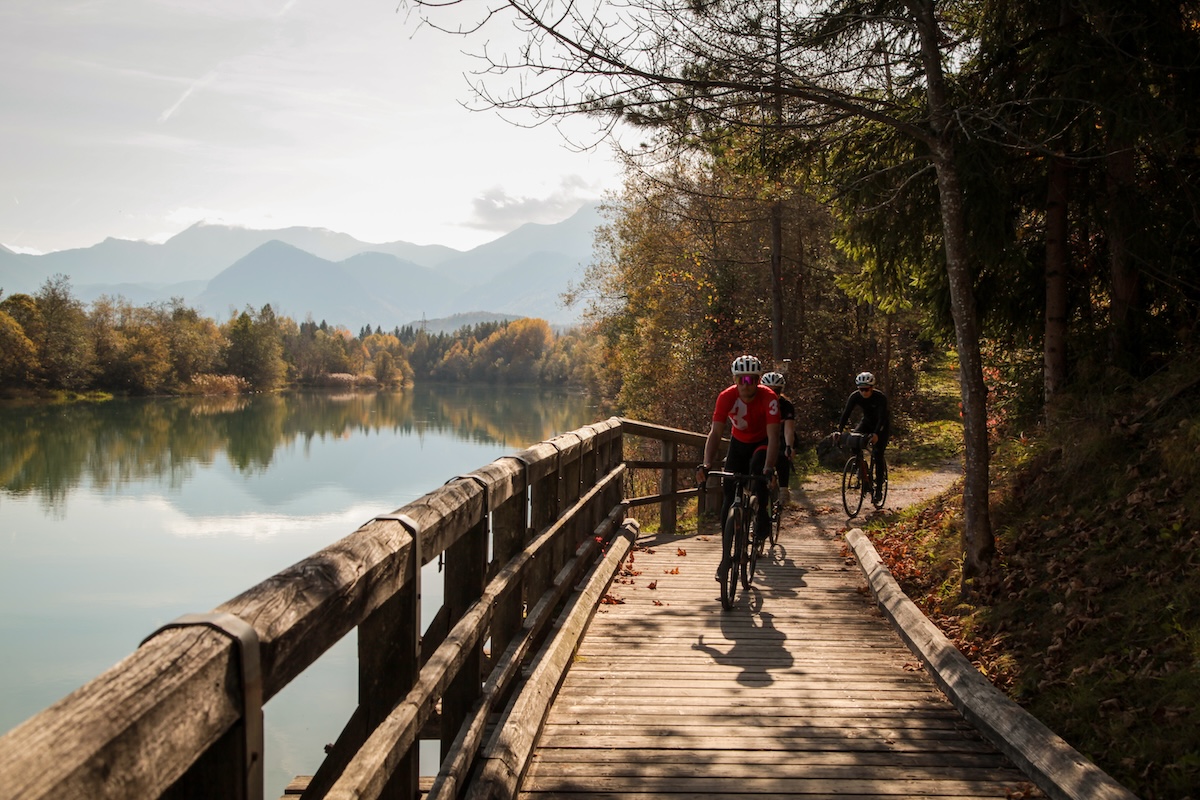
(818, 501)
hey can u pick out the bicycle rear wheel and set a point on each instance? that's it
(883, 487)
(756, 550)
(852, 488)
(776, 521)
(733, 527)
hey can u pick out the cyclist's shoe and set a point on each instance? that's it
(877, 500)
(722, 571)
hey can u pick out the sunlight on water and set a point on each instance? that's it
(116, 518)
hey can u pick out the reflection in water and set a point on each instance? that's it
(49, 450)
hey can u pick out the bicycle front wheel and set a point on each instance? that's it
(733, 527)
(745, 544)
(852, 488)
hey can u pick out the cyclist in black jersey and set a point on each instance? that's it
(875, 423)
(787, 417)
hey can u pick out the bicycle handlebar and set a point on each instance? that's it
(852, 436)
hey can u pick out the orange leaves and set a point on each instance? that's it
(652, 585)
(671, 571)
(627, 572)
(611, 600)
(680, 552)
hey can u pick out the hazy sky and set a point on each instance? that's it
(138, 118)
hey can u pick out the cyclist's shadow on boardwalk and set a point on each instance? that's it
(779, 575)
(757, 646)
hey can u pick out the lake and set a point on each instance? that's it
(118, 517)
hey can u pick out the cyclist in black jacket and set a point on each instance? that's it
(875, 423)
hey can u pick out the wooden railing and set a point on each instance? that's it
(670, 462)
(181, 717)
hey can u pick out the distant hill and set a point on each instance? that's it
(12, 269)
(366, 289)
(329, 276)
(200, 253)
(456, 322)
(569, 241)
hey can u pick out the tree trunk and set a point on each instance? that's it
(979, 547)
(778, 341)
(886, 370)
(1054, 346)
(1125, 327)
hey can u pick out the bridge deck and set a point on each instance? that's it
(802, 690)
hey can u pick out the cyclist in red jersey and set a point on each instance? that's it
(752, 412)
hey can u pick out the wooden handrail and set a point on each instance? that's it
(166, 720)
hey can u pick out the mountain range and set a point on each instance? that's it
(312, 272)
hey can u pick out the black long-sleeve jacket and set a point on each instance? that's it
(875, 417)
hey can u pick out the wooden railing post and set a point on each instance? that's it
(389, 658)
(543, 510)
(588, 474)
(569, 472)
(666, 487)
(541, 477)
(466, 574)
(614, 454)
(710, 496)
(510, 534)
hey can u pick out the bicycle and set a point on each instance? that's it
(740, 524)
(857, 475)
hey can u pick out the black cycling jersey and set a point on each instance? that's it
(875, 418)
(786, 411)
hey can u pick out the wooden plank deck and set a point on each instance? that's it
(803, 690)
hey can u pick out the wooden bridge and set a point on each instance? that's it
(823, 681)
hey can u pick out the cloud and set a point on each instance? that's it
(197, 84)
(496, 210)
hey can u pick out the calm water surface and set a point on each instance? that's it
(118, 517)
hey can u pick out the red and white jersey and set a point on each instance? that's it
(748, 421)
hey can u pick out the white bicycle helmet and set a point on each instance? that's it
(773, 380)
(864, 379)
(746, 365)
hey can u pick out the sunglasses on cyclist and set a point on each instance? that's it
(747, 380)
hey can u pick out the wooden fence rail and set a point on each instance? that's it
(181, 717)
